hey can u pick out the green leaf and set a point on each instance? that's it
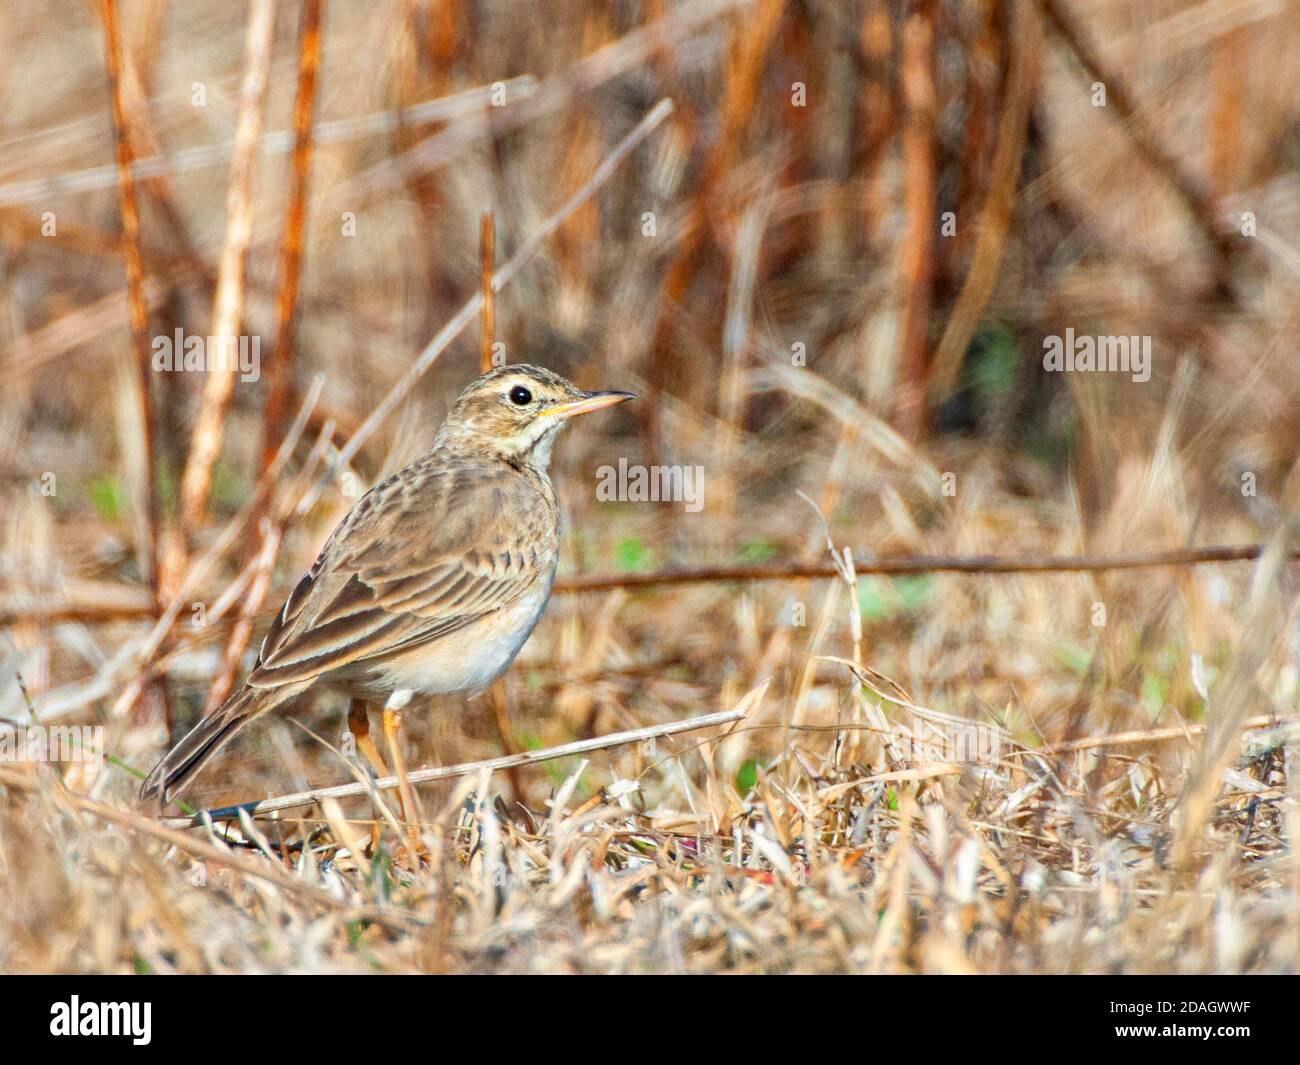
(913, 591)
(107, 497)
(1154, 690)
(871, 603)
(165, 482)
(559, 770)
(631, 554)
(228, 489)
(754, 551)
(882, 598)
(1073, 657)
(994, 360)
(747, 777)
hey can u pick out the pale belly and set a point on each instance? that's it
(467, 660)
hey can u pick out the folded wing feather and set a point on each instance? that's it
(373, 592)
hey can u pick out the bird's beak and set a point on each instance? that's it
(589, 402)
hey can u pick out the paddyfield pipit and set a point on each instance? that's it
(430, 584)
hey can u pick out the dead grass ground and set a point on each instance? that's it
(1127, 798)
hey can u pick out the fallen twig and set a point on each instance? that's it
(105, 613)
(1263, 741)
(916, 564)
(425, 776)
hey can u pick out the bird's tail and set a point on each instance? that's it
(185, 761)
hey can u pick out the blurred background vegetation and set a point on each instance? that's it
(829, 271)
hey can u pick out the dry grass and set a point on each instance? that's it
(1134, 805)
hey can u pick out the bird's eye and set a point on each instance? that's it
(520, 396)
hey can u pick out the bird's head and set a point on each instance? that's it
(517, 411)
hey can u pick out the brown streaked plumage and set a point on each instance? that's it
(431, 583)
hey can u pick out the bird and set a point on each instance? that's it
(430, 584)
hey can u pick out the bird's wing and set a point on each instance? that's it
(425, 553)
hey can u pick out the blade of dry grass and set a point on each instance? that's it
(916, 251)
(205, 441)
(279, 388)
(995, 217)
(135, 284)
(150, 550)
(487, 293)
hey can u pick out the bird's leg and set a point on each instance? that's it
(392, 725)
(359, 726)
